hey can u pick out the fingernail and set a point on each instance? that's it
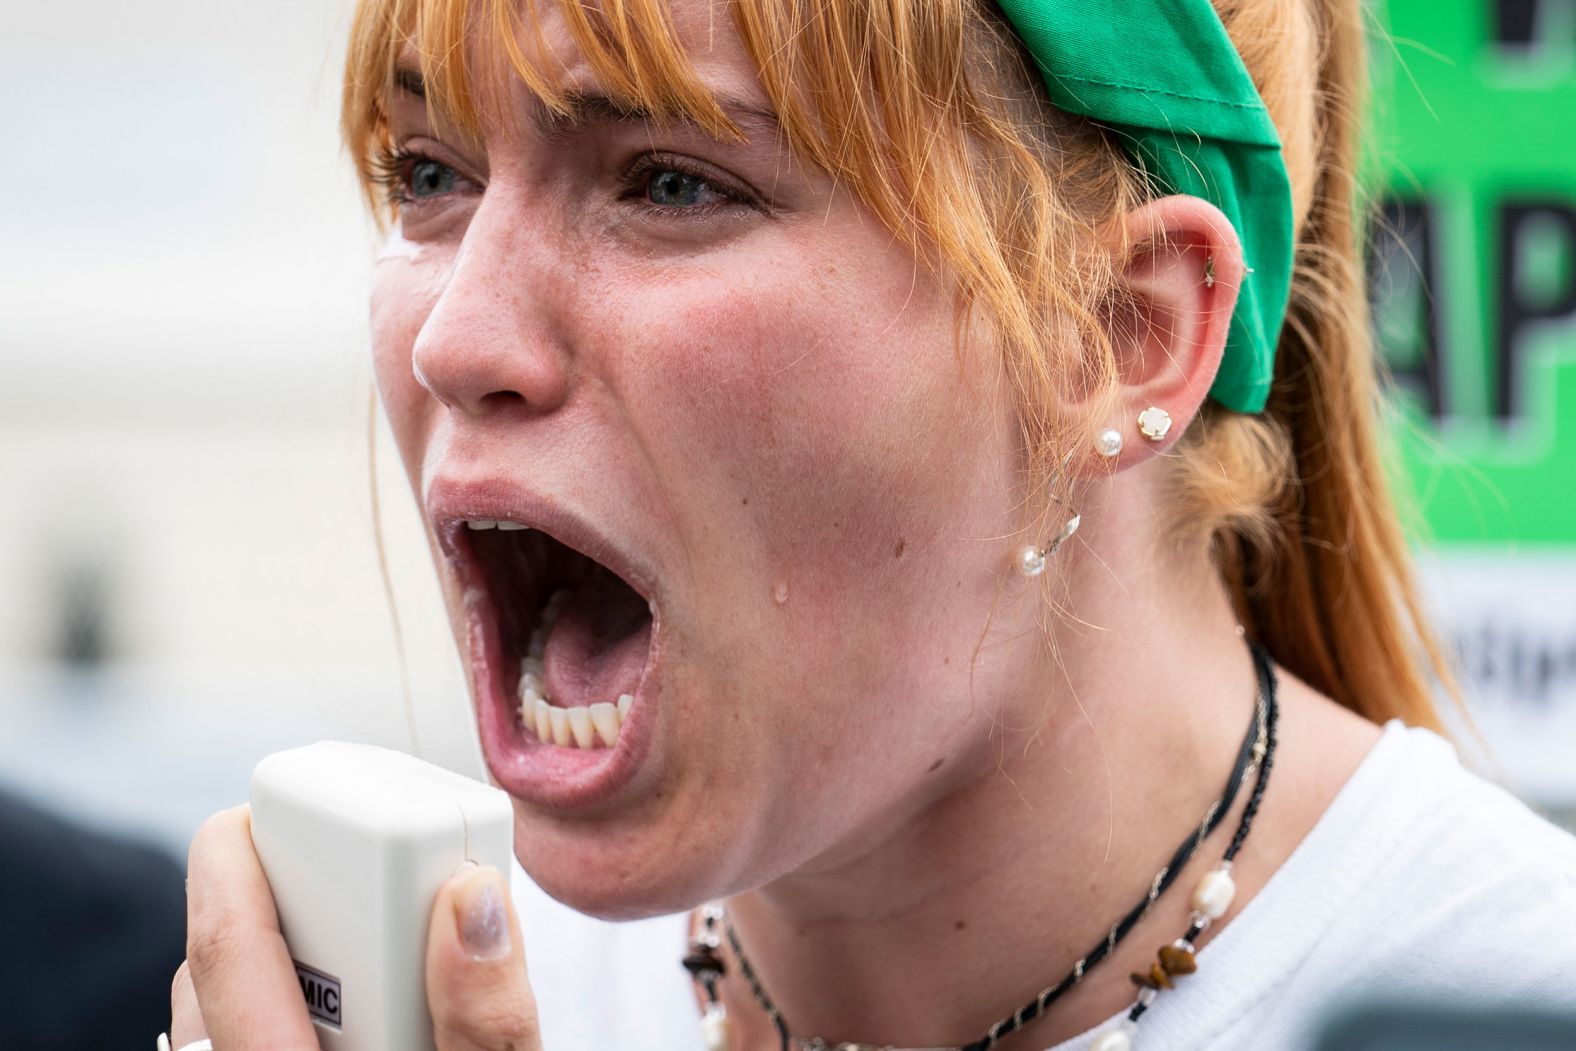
(482, 918)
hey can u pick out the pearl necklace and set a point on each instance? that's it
(1211, 898)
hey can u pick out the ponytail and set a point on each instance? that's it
(1295, 503)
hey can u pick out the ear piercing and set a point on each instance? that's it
(1031, 559)
(1154, 422)
(1209, 271)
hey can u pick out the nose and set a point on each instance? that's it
(493, 341)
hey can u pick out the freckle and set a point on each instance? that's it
(902, 545)
(935, 766)
(946, 660)
(781, 593)
(745, 501)
(959, 925)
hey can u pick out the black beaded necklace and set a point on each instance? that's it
(1210, 901)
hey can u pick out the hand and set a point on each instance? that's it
(238, 986)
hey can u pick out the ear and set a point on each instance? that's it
(1181, 274)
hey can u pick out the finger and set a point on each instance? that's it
(476, 981)
(185, 1018)
(245, 983)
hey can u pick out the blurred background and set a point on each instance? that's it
(187, 574)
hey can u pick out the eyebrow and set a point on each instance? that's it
(588, 108)
(591, 108)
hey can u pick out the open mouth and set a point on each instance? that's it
(573, 638)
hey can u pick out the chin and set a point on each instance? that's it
(629, 873)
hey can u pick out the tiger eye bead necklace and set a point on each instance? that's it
(1211, 898)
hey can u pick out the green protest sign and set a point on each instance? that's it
(1475, 286)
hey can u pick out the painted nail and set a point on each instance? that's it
(482, 918)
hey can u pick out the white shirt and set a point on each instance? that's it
(1420, 881)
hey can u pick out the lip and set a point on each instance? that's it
(545, 775)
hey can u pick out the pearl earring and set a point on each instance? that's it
(1031, 559)
(1109, 443)
(1154, 422)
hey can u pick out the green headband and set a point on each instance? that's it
(1166, 77)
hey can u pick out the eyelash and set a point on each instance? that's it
(647, 164)
(391, 172)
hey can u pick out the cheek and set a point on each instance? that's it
(794, 393)
(829, 451)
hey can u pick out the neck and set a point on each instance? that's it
(925, 934)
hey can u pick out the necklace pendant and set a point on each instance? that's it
(703, 963)
(715, 1030)
(1118, 1039)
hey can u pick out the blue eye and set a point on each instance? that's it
(673, 188)
(428, 178)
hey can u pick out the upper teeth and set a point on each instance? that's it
(593, 726)
(494, 523)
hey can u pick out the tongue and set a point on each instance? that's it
(597, 649)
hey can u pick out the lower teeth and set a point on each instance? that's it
(597, 726)
(594, 727)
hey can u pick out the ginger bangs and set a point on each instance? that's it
(470, 52)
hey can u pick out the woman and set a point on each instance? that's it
(855, 484)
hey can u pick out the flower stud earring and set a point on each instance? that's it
(1154, 422)
(1109, 443)
(1031, 559)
